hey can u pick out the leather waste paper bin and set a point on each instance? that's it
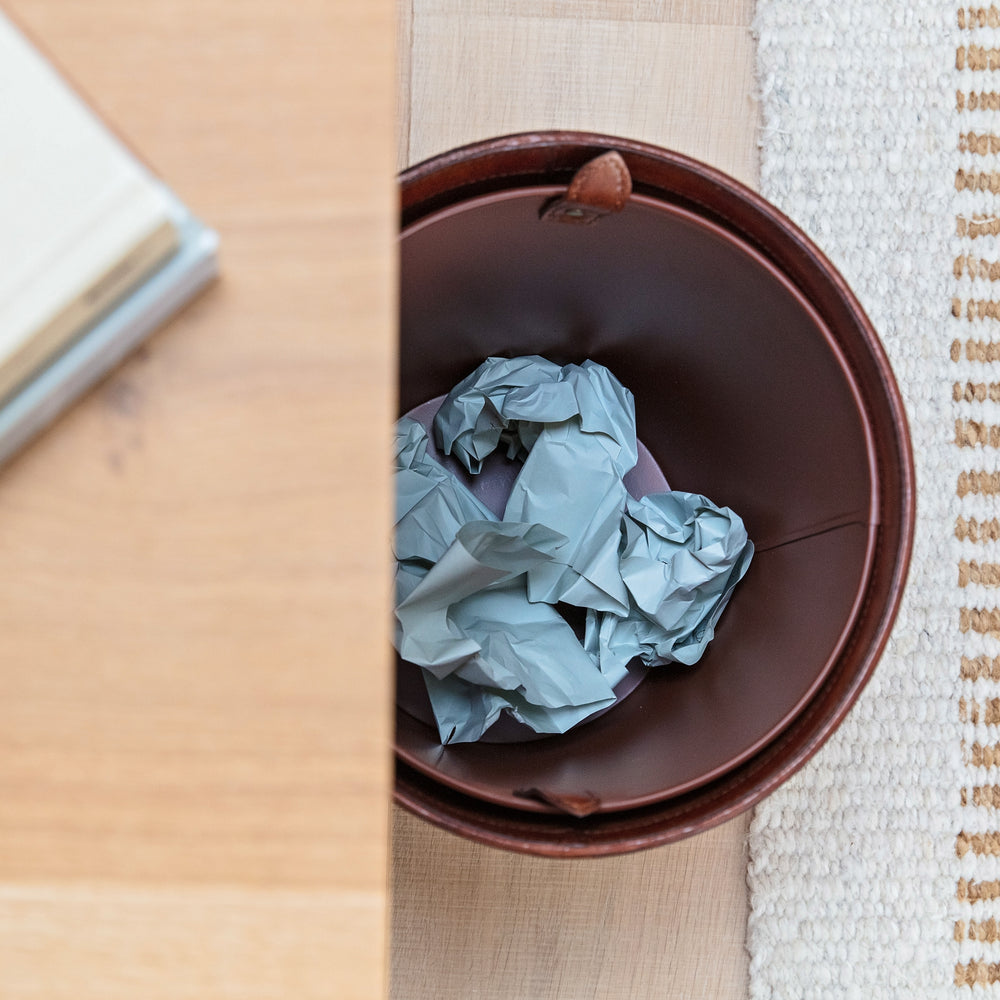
(758, 382)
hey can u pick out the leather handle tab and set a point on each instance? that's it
(600, 187)
(573, 805)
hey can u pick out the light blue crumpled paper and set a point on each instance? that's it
(462, 610)
(476, 596)
(574, 428)
(681, 558)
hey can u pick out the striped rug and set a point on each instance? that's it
(875, 872)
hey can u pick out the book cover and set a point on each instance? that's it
(95, 251)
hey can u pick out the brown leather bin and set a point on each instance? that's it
(759, 382)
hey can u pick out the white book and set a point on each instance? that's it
(95, 251)
(82, 221)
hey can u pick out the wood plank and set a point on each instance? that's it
(475, 73)
(404, 65)
(195, 712)
(65, 941)
(667, 923)
(670, 922)
(704, 12)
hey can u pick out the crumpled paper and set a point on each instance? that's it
(476, 595)
(681, 559)
(463, 612)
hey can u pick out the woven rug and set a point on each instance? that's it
(875, 872)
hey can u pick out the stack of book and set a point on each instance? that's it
(95, 251)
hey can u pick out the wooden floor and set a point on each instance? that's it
(194, 687)
(469, 920)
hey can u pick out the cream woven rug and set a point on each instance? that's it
(875, 873)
